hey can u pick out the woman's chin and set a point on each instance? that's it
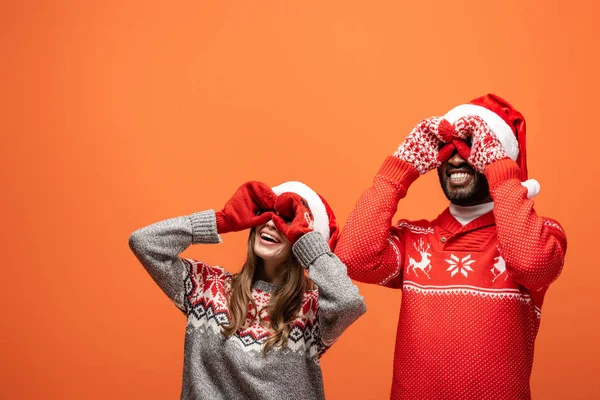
(271, 253)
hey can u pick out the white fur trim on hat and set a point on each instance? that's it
(321, 219)
(502, 130)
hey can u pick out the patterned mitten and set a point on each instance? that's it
(246, 208)
(292, 216)
(424, 148)
(485, 147)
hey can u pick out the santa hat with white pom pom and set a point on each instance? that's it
(509, 126)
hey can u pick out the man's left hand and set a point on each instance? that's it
(485, 145)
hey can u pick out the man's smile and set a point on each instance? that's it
(460, 176)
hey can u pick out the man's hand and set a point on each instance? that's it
(427, 145)
(485, 145)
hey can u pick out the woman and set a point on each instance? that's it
(257, 334)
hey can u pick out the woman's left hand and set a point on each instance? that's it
(292, 216)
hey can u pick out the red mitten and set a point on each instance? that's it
(424, 148)
(485, 145)
(246, 208)
(292, 216)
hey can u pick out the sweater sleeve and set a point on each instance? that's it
(340, 304)
(369, 245)
(158, 246)
(533, 247)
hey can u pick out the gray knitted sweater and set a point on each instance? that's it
(219, 367)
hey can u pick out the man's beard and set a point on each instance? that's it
(476, 192)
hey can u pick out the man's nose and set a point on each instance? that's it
(456, 159)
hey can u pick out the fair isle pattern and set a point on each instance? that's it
(462, 265)
(252, 335)
(493, 120)
(449, 290)
(304, 331)
(424, 264)
(420, 148)
(465, 337)
(553, 224)
(396, 272)
(486, 147)
(420, 230)
(207, 289)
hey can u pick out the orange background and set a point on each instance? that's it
(118, 114)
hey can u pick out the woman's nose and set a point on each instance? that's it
(271, 224)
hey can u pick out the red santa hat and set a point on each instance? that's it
(324, 219)
(509, 126)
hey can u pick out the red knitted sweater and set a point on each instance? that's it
(471, 295)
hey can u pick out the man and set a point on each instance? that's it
(473, 280)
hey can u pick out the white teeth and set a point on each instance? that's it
(459, 176)
(267, 236)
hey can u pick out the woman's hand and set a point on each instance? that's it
(292, 216)
(251, 205)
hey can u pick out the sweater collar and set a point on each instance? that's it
(464, 215)
(448, 222)
(265, 286)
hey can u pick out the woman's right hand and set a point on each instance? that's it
(251, 205)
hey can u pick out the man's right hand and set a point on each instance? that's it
(426, 147)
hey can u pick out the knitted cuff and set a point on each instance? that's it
(204, 227)
(501, 171)
(221, 223)
(398, 171)
(309, 247)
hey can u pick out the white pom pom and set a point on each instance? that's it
(533, 187)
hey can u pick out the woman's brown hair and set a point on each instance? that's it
(284, 304)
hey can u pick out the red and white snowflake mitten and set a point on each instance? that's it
(485, 145)
(424, 147)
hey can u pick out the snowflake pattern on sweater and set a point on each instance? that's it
(235, 367)
(206, 291)
(471, 295)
